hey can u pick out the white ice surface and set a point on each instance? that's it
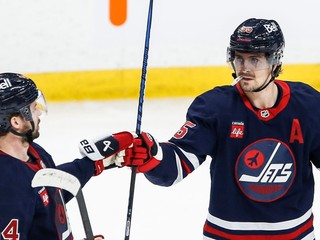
(173, 213)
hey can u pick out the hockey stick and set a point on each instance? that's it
(57, 178)
(139, 119)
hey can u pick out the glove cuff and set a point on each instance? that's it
(99, 167)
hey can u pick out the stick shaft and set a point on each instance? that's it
(139, 119)
(144, 70)
(84, 215)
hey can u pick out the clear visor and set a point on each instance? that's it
(37, 108)
(240, 61)
(41, 104)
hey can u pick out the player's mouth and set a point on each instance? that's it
(247, 78)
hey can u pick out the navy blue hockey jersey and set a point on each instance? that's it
(28, 213)
(262, 184)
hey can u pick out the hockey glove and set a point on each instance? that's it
(105, 150)
(145, 154)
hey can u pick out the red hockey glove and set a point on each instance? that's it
(145, 154)
(104, 150)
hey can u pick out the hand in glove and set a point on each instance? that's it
(106, 150)
(145, 154)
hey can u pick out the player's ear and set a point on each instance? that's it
(16, 122)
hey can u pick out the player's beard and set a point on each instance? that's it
(30, 136)
(35, 133)
(248, 87)
(253, 85)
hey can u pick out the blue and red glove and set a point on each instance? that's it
(106, 150)
(145, 154)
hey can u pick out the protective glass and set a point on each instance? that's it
(39, 105)
(250, 61)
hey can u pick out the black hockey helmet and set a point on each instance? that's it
(17, 92)
(258, 35)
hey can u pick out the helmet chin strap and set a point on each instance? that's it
(27, 135)
(274, 73)
(264, 85)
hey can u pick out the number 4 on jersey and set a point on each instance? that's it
(11, 230)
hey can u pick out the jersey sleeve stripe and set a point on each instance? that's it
(179, 170)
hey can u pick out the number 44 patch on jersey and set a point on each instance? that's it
(11, 231)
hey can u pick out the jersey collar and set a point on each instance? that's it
(268, 113)
(38, 163)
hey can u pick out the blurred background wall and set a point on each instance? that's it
(81, 49)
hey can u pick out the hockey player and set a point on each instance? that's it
(28, 213)
(263, 136)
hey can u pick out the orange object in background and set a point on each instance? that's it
(118, 11)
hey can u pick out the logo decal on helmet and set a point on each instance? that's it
(5, 83)
(245, 29)
(271, 27)
(265, 170)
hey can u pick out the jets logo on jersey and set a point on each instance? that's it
(265, 170)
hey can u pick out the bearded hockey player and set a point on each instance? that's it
(28, 213)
